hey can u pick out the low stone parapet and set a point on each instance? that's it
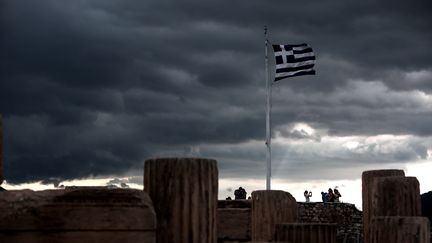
(77, 215)
(305, 233)
(234, 219)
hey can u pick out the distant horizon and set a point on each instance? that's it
(350, 189)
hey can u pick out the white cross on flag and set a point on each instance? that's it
(293, 60)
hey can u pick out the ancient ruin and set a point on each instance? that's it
(368, 193)
(77, 215)
(234, 219)
(305, 233)
(184, 193)
(393, 208)
(269, 208)
(179, 204)
(398, 229)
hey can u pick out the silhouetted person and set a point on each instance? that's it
(337, 195)
(228, 198)
(244, 193)
(240, 194)
(307, 195)
(330, 195)
(324, 196)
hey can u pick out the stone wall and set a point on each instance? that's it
(347, 217)
(84, 215)
(234, 219)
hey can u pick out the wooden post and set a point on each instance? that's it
(396, 196)
(391, 229)
(271, 207)
(305, 233)
(184, 193)
(368, 192)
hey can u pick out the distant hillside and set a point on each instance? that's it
(426, 200)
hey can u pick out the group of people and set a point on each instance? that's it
(330, 196)
(239, 194)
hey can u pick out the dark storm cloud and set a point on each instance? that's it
(95, 87)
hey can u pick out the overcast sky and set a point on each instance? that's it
(93, 88)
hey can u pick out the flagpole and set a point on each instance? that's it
(268, 110)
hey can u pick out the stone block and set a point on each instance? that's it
(305, 233)
(394, 229)
(234, 224)
(396, 196)
(77, 215)
(271, 207)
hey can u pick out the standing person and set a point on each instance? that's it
(237, 194)
(307, 195)
(330, 195)
(337, 195)
(243, 193)
(240, 194)
(324, 196)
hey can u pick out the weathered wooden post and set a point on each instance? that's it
(271, 207)
(396, 196)
(305, 233)
(391, 229)
(368, 192)
(1, 149)
(184, 193)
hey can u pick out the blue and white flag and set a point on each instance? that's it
(293, 60)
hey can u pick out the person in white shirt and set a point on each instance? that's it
(307, 195)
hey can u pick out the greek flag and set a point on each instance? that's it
(293, 60)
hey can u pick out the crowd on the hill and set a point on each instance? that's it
(331, 195)
(239, 194)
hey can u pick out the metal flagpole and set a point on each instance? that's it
(268, 111)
